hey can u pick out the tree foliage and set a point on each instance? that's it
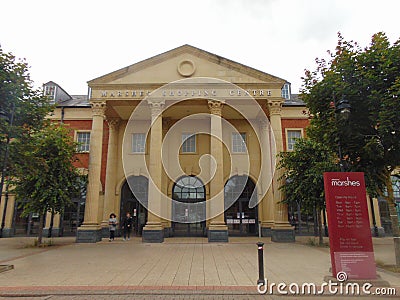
(303, 170)
(44, 176)
(369, 79)
(40, 153)
(17, 93)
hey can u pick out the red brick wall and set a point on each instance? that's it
(293, 123)
(83, 158)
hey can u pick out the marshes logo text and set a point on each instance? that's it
(348, 182)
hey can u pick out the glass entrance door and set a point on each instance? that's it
(73, 217)
(189, 207)
(25, 225)
(249, 219)
(137, 211)
(133, 200)
(239, 217)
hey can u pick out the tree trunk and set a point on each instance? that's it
(319, 221)
(394, 219)
(40, 231)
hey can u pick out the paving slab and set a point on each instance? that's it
(178, 264)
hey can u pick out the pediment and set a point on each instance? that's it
(185, 62)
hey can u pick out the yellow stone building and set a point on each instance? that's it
(186, 141)
(151, 84)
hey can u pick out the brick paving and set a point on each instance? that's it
(186, 268)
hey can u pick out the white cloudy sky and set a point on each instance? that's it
(71, 42)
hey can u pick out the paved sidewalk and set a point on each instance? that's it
(182, 266)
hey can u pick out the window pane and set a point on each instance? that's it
(83, 140)
(49, 90)
(239, 142)
(396, 186)
(292, 135)
(138, 143)
(286, 91)
(188, 143)
(189, 187)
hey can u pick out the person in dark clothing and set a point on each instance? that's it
(127, 226)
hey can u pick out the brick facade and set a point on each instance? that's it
(293, 123)
(83, 158)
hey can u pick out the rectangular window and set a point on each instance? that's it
(49, 90)
(292, 135)
(188, 143)
(138, 143)
(83, 140)
(286, 91)
(239, 142)
(396, 187)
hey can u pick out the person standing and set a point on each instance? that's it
(127, 226)
(112, 222)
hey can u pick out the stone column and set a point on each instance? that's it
(90, 231)
(266, 172)
(282, 231)
(8, 229)
(55, 227)
(217, 231)
(153, 231)
(373, 207)
(111, 174)
(166, 206)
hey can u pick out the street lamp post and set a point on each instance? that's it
(10, 121)
(343, 109)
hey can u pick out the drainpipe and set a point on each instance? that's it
(62, 114)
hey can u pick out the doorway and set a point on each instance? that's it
(24, 225)
(189, 207)
(72, 217)
(134, 194)
(239, 217)
(74, 213)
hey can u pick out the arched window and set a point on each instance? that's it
(189, 189)
(138, 187)
(189, 207)
(238, 187)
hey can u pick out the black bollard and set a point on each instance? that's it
(261, 278)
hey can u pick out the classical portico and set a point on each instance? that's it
(144, 86)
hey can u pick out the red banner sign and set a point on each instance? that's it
(348, 223)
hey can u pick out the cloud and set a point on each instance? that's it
(75, 41)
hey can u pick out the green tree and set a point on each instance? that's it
(45, 179)
(303, 170)
(18, 96)
(369, 78)
(22, 110)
